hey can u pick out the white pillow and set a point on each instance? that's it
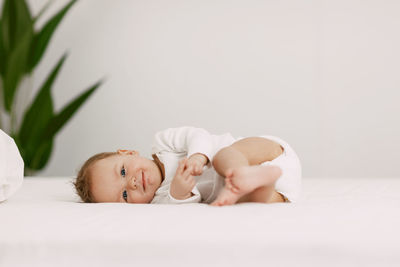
(11, 167)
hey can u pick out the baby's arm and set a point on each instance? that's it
(188, 140)
(196, 162)
(183, 182)
(194, 143)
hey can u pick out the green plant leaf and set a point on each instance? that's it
(38, 115)
(16, 19)
(41, 12)
(58, 121)
(2, 53)
(16, 37)
(15, 68)
(5, 25)
(42, 38)
(41, 155)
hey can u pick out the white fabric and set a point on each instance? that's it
(173, 144)
(337, 222)
(289, 183)
(11, 167)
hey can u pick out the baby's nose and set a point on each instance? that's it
(132, 183)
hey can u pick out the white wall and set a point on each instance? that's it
(324, 75)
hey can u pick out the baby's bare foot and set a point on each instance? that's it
(225, 197)
(243, 180)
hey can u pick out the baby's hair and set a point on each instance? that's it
(83, 180)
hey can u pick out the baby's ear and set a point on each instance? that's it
(127, 152)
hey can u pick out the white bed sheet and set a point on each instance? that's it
(338, 222)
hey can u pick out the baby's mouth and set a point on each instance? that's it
(143, 181)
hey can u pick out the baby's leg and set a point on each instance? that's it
(246, 180)
(250, 184)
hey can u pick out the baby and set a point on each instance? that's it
(190, 165)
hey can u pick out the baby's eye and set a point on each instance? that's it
(125, 196)
(123, 171)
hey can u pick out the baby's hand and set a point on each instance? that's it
(183, 182)
(196, 162)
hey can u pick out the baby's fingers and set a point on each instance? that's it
(199, 169)
(196, 171)
(181, 166)
(187, 173)
(191, 182)
(196, 168)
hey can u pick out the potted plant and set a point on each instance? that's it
(21, 49)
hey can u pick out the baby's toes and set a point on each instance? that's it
(216, 203)
(229, 184)
(222, 198)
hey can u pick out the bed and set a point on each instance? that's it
(338, 222)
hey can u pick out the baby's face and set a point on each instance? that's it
(125, 177)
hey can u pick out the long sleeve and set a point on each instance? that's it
(187, 140)
(163, 196)
(170, 146)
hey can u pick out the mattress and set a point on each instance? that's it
(337, 222)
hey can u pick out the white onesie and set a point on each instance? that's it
(174, 144)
